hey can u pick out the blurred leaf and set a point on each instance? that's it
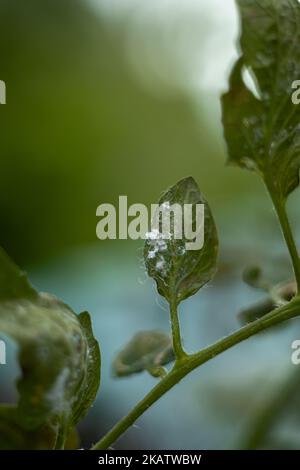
(58, 355)
(147, 350)
(256, 311)
(13, 282)
(73, 440)
(261, 431)
(278, 295)
(253, 276)
(90, 387)
(14, 437)
(262, 127)
(178, 272)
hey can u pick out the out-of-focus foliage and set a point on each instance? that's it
(147, 350)
(59, 360)
(78, 130)
(262, 131)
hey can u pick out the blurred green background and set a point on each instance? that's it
(113, 97)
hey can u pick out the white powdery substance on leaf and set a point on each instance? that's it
(57, 394)
(157, 242)
(166, 206)
(158, 246)
(160, 266)
(153, 235)
(181, 250)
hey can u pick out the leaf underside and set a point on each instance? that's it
(147, 350)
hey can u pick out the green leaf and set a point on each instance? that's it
(254, 277)
(58, 355)
(279, 294)
(256, 311)
(90, 386)
(13, 282)
(262, 125)
(147, 350)
(14, 437)
(179, 272)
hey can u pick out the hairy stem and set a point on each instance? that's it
(188, 363)
(280, 208)
(177, 345)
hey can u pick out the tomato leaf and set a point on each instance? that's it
(15, 437)
(180, 272)
(147, 350)
(261, 123)
(58, 355)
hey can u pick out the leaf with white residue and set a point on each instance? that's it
(180, 272)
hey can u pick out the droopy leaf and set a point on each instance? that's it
(13, 282)
(180, 272)
(14, 437)
(147, 350)
(254, 277)
(58, 355)
(262, 126)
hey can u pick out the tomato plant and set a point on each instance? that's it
(58, 355)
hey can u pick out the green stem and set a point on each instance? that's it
(280, 208)
(187, 364)
(177, 345)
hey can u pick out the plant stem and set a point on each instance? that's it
(190, 362)
(280, 208)
(177, 345)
